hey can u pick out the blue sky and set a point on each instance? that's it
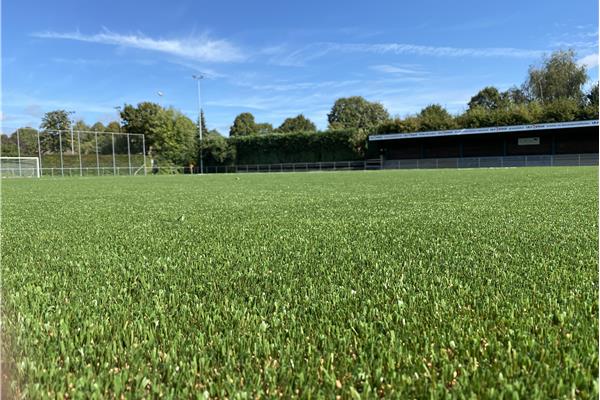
(275, 59)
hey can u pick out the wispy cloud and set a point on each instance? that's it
(589, 61)
(316, 50)
(396, 70)
(288, 86)
(199, 49)
(577, 44)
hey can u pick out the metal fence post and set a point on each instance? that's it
(97, 157)
(144, 151)
(40, 152)
(79, 151)
(19, 151)
(62, 163)
(113, 154)
(128, 153)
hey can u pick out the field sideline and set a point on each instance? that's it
(396, 284)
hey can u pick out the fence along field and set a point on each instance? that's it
(78, 153)
(397, 284)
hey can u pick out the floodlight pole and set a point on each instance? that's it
(198, 78)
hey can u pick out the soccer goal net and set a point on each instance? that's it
(26, 167)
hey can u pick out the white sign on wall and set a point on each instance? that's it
(528, 141)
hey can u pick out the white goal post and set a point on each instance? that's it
(19, 167)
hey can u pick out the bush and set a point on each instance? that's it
(297, 147)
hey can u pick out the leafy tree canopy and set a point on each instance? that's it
(434, 117)
(243, 125)
(356, 113)
(559, 77)
(489, 98)
(298, 123)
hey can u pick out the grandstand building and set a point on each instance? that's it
(563, 143)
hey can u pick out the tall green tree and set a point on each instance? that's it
(488, 98)
(434, 117)
(55, 125)
(113, 126)
(514, 95)
(264, 128)
(400, 125)
(592, 96)
(203, 121)
(98, 127)
(356, 113)
(216, 149)
(243, 125)
(180, 147)
(298, 123)
(590, 110)
(8, 145)
(80, 125)
(27, 142)
(169, 134)
(558, 77)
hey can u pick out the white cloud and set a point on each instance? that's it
(589, 61)
(199, 49)
(393, 69)
(294, 86)
(315, 50)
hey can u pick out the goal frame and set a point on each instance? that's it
(37, 165)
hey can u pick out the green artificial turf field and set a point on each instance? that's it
(395, 284)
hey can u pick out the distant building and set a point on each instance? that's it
(564, 140)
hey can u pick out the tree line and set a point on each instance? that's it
(552, 92)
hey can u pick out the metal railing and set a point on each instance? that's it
(495, 162)
(359, 165)
(426, 163)
(93, 171)
(590, 159)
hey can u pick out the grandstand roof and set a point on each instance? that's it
(478, 131)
